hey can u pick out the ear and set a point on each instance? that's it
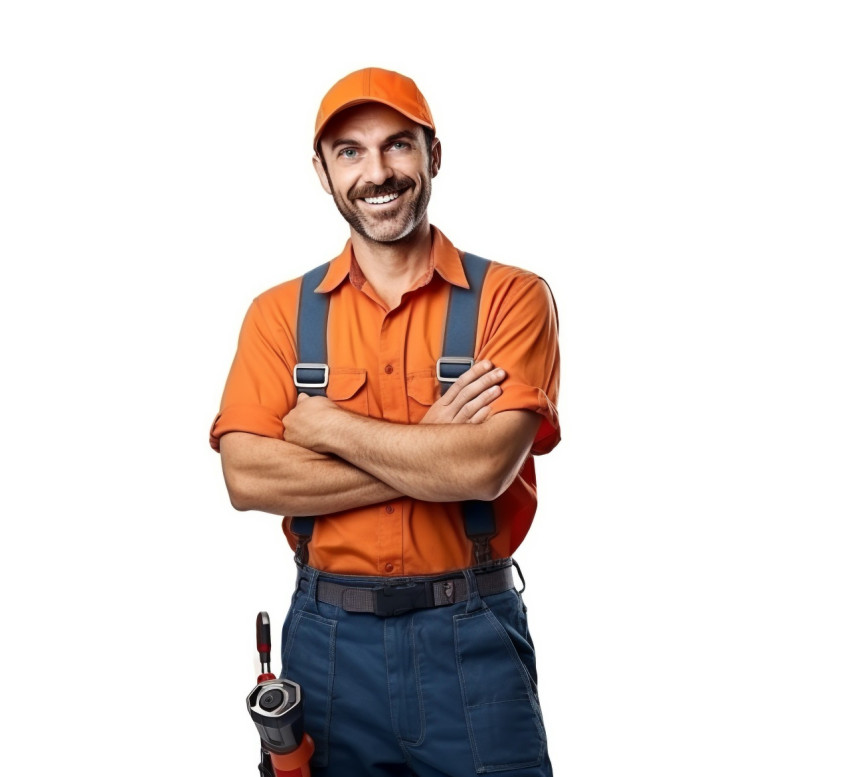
(436, 156)
(320, 171)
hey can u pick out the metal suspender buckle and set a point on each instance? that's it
(450, 368)
(310, 376)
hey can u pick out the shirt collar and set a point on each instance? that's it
(337, 271)
(445, 259)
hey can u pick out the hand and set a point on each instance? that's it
(468, 399)
(310, 422)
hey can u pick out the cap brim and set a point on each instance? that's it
(362, 101)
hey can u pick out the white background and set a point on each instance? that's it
(679, 174)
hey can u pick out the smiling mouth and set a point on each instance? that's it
(382, 200)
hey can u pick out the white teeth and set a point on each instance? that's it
(381, 200)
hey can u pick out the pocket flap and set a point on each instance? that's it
(422, 387)
(344, 384)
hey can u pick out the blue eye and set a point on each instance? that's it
(348, 153)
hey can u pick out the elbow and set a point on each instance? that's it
(237, 478)
(242, 488)
(241, 498)
(491, 489)
(487, 492)
(240, 504)
(250, 486)
(247, 492)
(493, 478)
(506, 452)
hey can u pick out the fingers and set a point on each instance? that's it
(473, 392)
(469, 388)
(482, 415)
(468, 399)
(470, 408)
(473, 373)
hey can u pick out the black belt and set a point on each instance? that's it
(397, 598)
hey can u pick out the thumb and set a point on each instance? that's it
(302, 398)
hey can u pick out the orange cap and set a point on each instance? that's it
(373, 85)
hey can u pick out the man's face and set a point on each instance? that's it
(378, 169)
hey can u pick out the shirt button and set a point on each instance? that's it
(390, 509)
(389, 567)
(388, 369)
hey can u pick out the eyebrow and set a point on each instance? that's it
(344, 142)
(407, 134)
(404, 134)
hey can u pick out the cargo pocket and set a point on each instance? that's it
(347, 387)
(308, 659)
(502, 713)
(422, 391)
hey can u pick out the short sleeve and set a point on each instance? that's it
(259, 390)
(520, 335)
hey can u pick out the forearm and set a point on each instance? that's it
(445, 462)
(278, 477)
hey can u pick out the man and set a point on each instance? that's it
(405, 631)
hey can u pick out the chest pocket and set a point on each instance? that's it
(422, 391)
(347, 387)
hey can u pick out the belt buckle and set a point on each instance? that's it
(398, 599)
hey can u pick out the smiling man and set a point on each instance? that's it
(388, 403)
(370, 208)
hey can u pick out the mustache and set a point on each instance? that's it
(390, 186)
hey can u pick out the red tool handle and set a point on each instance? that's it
(296, 763)
(264, 644)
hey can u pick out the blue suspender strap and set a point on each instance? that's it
(461, 323)
(311, 372)
(458, 356)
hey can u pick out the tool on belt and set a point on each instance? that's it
(312, 371)
(275, 707)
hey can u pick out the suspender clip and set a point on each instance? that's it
(450, 368)
(301, 551)
(481, 550)
(308, 375)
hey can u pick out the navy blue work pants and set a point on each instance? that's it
(442, 692)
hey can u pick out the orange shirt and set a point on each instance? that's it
(383, 365)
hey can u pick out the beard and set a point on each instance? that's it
(387, 225)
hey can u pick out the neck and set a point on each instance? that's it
(392, 268)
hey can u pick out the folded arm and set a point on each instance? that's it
(445, 462)
(277, 477)
(286, 478)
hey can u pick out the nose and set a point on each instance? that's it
(377, 169)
